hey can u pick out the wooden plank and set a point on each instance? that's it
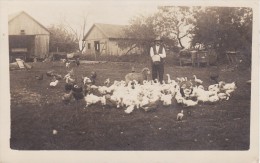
(20, 63)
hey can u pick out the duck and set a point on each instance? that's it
(107, 82)
(197, 80)
(180, 116)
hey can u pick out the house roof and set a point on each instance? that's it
(11, 17)
(109, 30)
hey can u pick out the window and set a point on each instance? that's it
(89, 45)
(22, 32)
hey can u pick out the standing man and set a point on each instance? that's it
(158, 54)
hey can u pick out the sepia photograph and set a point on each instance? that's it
(130, 76)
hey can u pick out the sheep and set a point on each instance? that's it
(139, 77)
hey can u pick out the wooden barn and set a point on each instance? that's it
(102, 39)
(27, 37)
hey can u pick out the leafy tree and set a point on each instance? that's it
(61, 40)
(174, 22)
(139, 34)
(142, 32)
(223, 28)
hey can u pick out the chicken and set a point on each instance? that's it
(50, 73)
(152, 105)
(107, 82)
(39, 77)
(68, 86)
(58, 76)
(91, 99)
(129, 109)
(77, 62)
(77, 92)
(66, 98)
(54, 83)
(93, 77)
(67, 64)
(180, 116)
(214, 74)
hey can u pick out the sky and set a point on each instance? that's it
(110, 12)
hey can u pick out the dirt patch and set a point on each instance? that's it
(25, 96)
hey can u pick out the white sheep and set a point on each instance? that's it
(140, 77)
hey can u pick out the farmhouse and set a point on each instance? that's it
(103, 39)
(27, 37)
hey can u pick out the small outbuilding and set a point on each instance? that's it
(27, 37)
(103, 39)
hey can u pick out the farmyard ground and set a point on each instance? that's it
(37, 110)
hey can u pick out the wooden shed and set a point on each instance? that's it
(102, 39)
(27, 37)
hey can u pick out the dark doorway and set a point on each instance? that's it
(21, 46)
(97, 46)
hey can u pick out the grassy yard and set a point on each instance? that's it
(37, 110)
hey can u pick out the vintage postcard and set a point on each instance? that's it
(129, 81)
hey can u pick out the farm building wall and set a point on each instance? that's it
(41, 46)
(98, 43)
(24, 22)
(23, 26)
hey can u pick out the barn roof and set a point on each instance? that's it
(11, 17)
(109, 30)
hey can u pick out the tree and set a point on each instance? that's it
(223, 28)
(61, 40)
(78, 30)
(139, 34)
(174, 22)
(142, 32)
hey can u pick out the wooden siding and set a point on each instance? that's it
(107, 46)
(41, 46)
(38, 45)
(95, 34)
(24, 22)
